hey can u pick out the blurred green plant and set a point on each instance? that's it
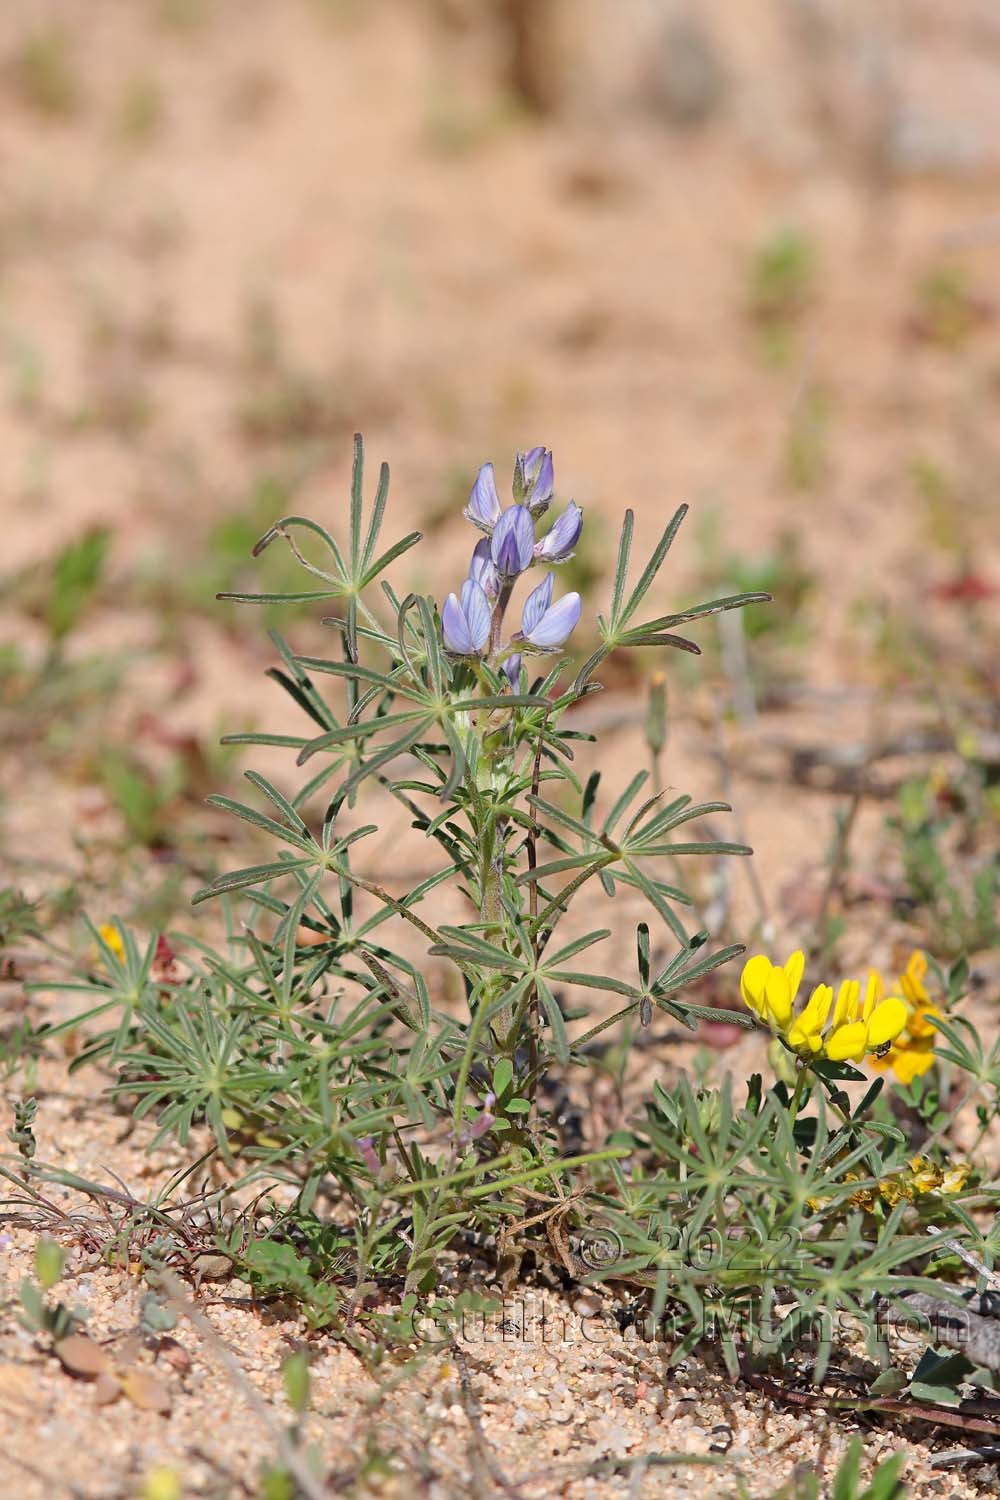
(948, 312)
(781, 280)
(19, 916)
(953, 891)
(807, 441)
(141, 112)
(781, 573)
(142, 796)
(46, 74)
(76, 578)
(39, 1314)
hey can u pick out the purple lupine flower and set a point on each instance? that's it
(465, 622)
(546, 626)
(559, 544)
(481, 569)
(534, 480)
(512, 544)
(368, 1154)
(512, 670)
(479, 1124)
(483, 509)
(537, 603)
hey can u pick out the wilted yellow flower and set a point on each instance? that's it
(842, 1029)
(113, 938)
(912, 1052)
(928, 1177)
(919, 1176)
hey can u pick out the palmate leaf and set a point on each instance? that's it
(615, 629)
(350, 575)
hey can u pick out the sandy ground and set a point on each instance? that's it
(230, 235)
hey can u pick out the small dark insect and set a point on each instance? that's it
(883, 1049)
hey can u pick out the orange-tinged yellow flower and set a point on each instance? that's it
(842, 1030)
(912, 1051)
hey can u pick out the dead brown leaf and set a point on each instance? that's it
(82, 1357)
(145, 1391)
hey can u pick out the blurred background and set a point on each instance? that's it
(743, 256)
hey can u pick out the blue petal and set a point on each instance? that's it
(560, 542)
(512, 544)
(477, 612)
(537, 603)
(544, 484)
(454, 628)
(482, 570)
(534, 479)
(512, 670)
(483, 509)
(556, 624)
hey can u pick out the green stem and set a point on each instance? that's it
(801, 1081)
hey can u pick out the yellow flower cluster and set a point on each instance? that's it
(912, 1052)
(842, 1029)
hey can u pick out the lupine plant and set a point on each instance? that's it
(394, 1047)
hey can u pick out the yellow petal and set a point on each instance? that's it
(753, 982)
(912, 982)
(874, 993)
(887, 1021)
(954, 1178)
(909, 1065)
(798, 1038)
(927, 1175)
(848, 1042)
(778, 998)
(810, 1023)
(917, 966)
(918, 1027)
(793, 971)
(847, 998)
